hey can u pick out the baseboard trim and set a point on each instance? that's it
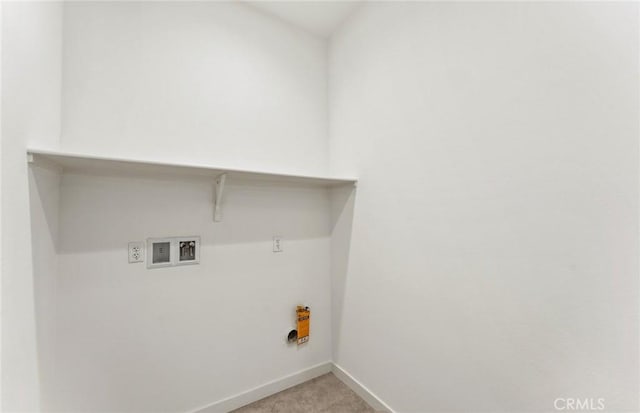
(283, 383)
(265, 390)
(360, 389)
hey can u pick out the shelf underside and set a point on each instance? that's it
(92, 164)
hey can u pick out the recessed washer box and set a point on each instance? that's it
(188, 250)
(159, 252)
(172, 251)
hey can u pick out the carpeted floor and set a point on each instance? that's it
(324, 394)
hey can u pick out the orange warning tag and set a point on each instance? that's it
(303, 314)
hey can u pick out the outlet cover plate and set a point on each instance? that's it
(277, 243)
(136, 252)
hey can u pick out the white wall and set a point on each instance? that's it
(491, 265)
(493, 260)
(191, 82)
(1, 202)
(31, 78)
(195, 82)
(174, 339)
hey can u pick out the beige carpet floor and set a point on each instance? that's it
(324, 394)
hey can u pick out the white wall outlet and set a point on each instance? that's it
(136, 252)
(277, 244)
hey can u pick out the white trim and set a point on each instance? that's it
(359, 388)
(265, 390)
(283, 383)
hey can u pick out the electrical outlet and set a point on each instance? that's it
(277, 244)
(136, 253)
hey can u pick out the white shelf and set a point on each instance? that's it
(90, 163)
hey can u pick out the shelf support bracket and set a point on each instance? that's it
(217, 209)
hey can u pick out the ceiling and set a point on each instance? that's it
(318, 17)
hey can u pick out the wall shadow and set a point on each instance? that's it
(44, 201)
(342, 210)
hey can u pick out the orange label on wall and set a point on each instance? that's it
(303, 314)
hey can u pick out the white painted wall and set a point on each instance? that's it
(31, 78)
(195, 82)
(175, 339)
(493, 260)
(1, 202)
(186, 82)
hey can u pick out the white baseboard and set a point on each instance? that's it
(265, 390)
(366, 394)
(283, 383)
